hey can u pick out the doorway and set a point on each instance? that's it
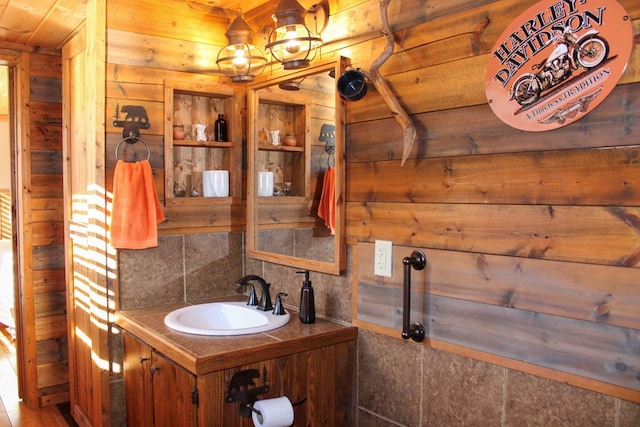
(8, 359)
(7, 284)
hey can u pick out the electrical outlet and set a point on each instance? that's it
(383, 258)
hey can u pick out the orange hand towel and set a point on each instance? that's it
(326, 208)
(136, 209)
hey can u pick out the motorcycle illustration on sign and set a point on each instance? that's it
(557, 61)
(570, 53)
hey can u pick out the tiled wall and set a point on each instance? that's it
(192, 268)
(403, 383)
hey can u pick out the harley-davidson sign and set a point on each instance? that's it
(557, 61)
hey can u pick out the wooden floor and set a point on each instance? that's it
(12, 411)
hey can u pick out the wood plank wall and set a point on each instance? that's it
(44, 305)
(532, 238)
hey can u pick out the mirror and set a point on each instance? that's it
(295, 185)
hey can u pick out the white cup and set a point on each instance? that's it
(265, 184)
(215, 183)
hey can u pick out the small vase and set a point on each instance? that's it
(178, 132)
(290, 140)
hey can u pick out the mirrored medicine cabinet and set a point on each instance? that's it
(295, 183)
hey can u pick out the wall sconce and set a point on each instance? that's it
(292, 43)
(241, 60)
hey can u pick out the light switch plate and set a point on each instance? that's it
(383, 256)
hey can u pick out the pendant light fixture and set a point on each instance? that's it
(292, 43)
(241, 60)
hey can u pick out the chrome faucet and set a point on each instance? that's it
(265, 299)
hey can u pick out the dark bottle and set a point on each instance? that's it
(307, 303)
(220, 129)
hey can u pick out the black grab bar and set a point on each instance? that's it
(415, 331)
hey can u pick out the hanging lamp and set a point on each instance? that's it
(292, 43)
(241, 60)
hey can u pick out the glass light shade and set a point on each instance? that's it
(241, 62)
(292, 43)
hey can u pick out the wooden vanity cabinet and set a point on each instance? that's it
(157, 391)
(318, 381)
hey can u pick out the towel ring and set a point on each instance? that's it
(330, 151)
(132, 139)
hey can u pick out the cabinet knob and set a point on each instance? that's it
(154, 369)
(143, 359)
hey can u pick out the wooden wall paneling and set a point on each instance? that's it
(53, 350)
(128, 48)
(46, 136)
(48, 233)
(89, 291)
(199, 219)
(47, 210)
(46, 161)
(571, 177)
(588, 234)
(477, 130)
(118, 73)
(53, 374)
(46, 185)
(46, 66)
(46, 89)
(26, 351)
(50, 304)
(175, 20)
(50, 280)
(131, 91)
(594, 293)
(42, 237)
(49, 327)
(587, 349)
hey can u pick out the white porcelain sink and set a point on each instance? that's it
(223, 318)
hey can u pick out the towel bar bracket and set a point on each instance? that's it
(415, 331)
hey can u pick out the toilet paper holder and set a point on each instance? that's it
(242, 389)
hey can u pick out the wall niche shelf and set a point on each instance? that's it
(195, 103)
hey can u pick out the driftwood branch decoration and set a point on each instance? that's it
(381, 85)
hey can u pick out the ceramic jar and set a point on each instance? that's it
(290, 140)
(178, 132)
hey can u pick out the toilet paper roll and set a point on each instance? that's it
(276, 412)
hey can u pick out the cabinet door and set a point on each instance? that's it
(137, 381)
(173, 388)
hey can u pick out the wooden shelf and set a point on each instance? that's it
(210, 144)
(190, 103)
(269, 147)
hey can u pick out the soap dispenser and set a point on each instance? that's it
(307, 304)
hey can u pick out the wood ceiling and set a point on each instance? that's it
(50, 23)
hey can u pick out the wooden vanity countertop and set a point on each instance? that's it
(203, 354)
